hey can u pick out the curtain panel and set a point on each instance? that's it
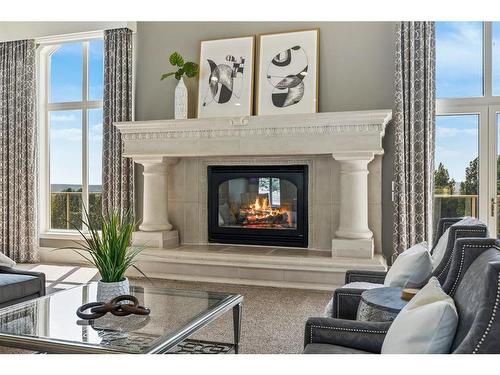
(414, 122)
(118, 172)
(18, 152)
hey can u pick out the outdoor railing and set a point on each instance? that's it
(464, 205)
(66, 208)
(459, 205)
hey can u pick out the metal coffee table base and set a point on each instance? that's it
(203, 347)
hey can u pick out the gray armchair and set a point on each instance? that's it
(19, 285)
(346, 300)
(475, 288)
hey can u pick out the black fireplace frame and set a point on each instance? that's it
(298, 174)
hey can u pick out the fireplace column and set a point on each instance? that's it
(353, 237)
(155, 229)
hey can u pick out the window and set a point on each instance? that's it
(496, 57)
(456, 176)
(271, 187)
(468, 104)
(71, 100)
(459, 59)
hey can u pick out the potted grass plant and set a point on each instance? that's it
(109, 250)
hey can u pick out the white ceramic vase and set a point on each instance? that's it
(107, 291)
(181, 100)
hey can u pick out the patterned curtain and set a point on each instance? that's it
(117, 172)
(18, 153)
(414, 121)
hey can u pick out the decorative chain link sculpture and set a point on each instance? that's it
(99, 309)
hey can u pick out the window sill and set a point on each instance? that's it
(60, 235)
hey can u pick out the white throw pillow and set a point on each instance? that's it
(426, 325)
(362, 285)
(5, 261)
(440, 249)
(412, 268)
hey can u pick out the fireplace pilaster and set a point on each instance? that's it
(353, 235)
(155, 226)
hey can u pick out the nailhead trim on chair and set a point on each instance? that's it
(456, 232)
(492, 318)
(462, 255)
(460, 268)
(343, 329)
(339, 294)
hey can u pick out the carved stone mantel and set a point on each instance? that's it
(352, 138)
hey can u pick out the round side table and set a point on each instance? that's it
(380, 304)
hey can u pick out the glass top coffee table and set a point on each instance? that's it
(49, 324)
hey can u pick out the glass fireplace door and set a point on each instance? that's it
(258, 202)
(258, 205)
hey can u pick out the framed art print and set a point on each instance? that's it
(288, 73)
(226, 77)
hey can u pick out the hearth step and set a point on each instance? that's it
(290, 268)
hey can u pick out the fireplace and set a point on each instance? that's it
(261, 205)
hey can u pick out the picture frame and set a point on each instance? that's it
(226, 78)
(288, 73)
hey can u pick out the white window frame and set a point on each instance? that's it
(46, 47)
(486, 107)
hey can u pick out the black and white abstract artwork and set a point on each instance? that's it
(225, 81)
(288, 73)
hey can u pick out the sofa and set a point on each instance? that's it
(474, 287)
(19, 285)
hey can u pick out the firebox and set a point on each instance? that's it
(261, 205)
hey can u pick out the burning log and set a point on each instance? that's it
(262, 214)
(281, 218)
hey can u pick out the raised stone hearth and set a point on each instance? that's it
(342, 150)
(250, 265)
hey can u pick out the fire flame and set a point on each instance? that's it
(257, 213)
(258, 206)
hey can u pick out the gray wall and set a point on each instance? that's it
(356, 73)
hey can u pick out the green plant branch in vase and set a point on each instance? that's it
(109, 250)
(188, 69)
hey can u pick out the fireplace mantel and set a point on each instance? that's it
(305, 134)
(351, 138)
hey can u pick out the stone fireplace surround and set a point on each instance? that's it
(343, 151)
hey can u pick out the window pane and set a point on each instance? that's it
(456, 184)
(66, 73)
(459, 59)
(496, 57)
(95, 164)
(96, 70)
(65, 169)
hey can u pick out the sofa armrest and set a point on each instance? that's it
(39, 275)
(376, 277)
(345, 303)
(368, 336)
